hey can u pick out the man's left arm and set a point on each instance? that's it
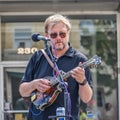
(85, 90)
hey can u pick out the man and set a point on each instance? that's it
(57, 29)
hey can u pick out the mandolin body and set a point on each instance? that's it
(43, 100)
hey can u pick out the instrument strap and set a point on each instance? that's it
(48, 59)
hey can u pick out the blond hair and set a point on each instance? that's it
(56, 18)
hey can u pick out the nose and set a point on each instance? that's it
(58, 36)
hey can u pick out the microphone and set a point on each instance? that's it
(38, 37)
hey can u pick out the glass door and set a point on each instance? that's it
(15, 107)
(99, 36)
(92, 35)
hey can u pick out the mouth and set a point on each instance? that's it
(58, 43)
(59, 46)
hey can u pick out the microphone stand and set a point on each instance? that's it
(64, 86)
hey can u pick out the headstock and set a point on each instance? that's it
(92, 62)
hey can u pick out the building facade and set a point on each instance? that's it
(95, 30)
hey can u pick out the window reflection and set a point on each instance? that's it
(12, 99)
(99, 37)
(11, 85)
(92, 37)
(16, 37)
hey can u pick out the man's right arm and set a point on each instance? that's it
(41, 85)
(26, 88)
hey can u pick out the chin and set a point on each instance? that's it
(59, 48)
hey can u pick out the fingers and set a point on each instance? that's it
(42, 85)
(45, 82)
(78, 73)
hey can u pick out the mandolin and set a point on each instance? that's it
(43, 100)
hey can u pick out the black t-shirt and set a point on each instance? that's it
(38, 67)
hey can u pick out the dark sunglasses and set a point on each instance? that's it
(61, 34)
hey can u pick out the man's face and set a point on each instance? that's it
(59, 36)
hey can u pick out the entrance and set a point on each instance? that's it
(15, 107)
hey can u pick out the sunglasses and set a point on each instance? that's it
(61, 34)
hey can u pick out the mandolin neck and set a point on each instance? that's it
(68, 74)
(94, 61)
